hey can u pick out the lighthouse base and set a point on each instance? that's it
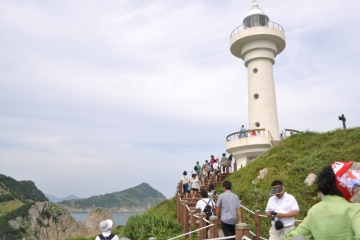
(246, 149)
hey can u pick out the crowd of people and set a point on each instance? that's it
(201, 173)
(335, 217)
(226, 205)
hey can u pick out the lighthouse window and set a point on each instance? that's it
(256, 96)
(255, 21)
(263, 20)
(255, 70)
(257, 124)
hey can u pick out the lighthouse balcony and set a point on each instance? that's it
(268, 36)
(256, 23)
(248, 138)
(245, 146)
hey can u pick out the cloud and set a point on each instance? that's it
(138, 91)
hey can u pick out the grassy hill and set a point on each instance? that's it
(291, 161)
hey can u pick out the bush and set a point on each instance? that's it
(6, 230)
(6, 197)
(142, 227)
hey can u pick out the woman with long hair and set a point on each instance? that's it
(203, 174)
(195, 187)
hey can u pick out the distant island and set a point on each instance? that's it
(136, 199)
(53, 198)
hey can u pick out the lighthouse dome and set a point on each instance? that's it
(255, 17)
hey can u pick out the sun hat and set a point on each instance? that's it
(106, 225)
(347, 180)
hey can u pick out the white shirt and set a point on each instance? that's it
(283, 205)
(216, 165)
(185, 179)
(106, 234)
(195, 183)
(203, 202)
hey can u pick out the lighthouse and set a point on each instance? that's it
(257, 42)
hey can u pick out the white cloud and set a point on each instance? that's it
(138, 91)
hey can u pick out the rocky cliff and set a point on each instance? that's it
(47, 220)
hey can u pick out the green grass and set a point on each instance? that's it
(165, 209)
(8, 206)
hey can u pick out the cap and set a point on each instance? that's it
(277, 189)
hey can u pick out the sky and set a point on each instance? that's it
(100, 96)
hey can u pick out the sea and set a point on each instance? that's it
(118, 218)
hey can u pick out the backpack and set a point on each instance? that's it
(207, 209)
(106, 238)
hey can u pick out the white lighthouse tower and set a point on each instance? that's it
(258, 41)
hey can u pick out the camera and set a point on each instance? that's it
(273, 213)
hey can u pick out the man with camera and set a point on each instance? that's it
(281, 208)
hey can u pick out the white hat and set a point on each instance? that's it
(106, 225)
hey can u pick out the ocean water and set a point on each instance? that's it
(118, 218)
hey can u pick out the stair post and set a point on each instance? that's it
(214, 230)
(180, 187)
(241, 229)
(241, 213)
(197, 212)
(186, 220)
(257, 225)
(178, 207)
(183, 214)
(192, 218)
(202, 224)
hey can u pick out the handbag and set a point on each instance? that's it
(189, 188)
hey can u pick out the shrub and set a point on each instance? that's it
(142, 227)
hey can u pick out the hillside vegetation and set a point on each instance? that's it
(14, 194)
(134, 199)
(25, 191)
(291, 161)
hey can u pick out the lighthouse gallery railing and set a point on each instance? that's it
(256, 24)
